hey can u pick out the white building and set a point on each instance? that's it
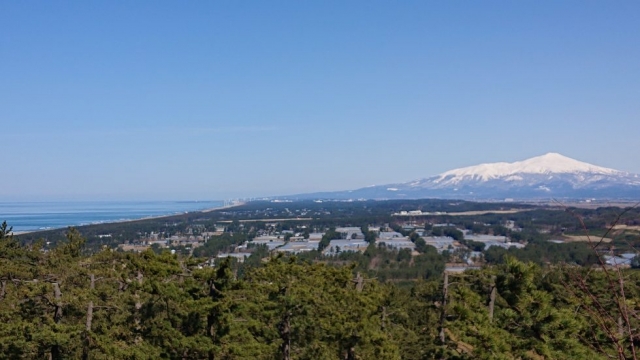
(337, 246)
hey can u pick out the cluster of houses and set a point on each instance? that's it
(189, 240)
(352, 239)
(620, 260)
(492, 240)
(418, 213)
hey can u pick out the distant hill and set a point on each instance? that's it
(542, 177)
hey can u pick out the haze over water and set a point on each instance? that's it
(32, 216)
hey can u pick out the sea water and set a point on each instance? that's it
(33, 216)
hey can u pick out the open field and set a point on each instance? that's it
(585, 205)
(584, 238)
(266, 220)
(626, 227)
(464, 213)
(485, 212)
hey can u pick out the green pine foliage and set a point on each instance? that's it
(65, 304)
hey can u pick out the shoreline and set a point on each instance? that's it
(204, 211)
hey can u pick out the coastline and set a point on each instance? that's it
(168, 215)
(23, 232)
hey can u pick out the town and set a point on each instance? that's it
(472, 235)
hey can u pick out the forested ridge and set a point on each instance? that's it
(65, 304)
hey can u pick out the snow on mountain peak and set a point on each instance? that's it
(551, 163)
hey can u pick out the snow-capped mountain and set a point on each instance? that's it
(542, 177)
(549, 164)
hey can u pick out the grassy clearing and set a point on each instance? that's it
(585, 238)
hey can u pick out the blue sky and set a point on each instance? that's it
(211, 100)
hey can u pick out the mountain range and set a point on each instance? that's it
(550, 176)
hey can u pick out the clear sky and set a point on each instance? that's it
(220, 99)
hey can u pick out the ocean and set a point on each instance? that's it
(33, 216)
